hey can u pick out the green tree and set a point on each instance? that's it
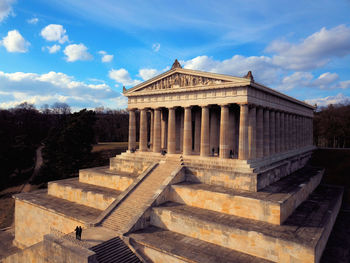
(68, 146)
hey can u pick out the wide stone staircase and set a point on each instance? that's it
(287, 221)
(155, 208)
(127, 212)
(114, 250)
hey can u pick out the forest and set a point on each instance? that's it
(67, 138)
(332, 126)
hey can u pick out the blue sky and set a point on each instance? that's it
(83, 52)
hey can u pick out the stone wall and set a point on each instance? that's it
(33, 222)
(59, 250)
(95, 177)
(78, 195)
(34, 253)
(119, 164)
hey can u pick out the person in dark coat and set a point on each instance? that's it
(76, 232)
(80, 232)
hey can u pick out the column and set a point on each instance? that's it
(243, 133)
(231, 137)
(180, 133)
(294, 130)
(143, 130)
(252, 133)
(287, 131)
(187, 140)
(213, 139)
(171, 131)
(197, 131)
(277, 132)
(164, 127)
(156, 131)
(151, 130)
(311, 131)
(260, 132)
(132, 131)
(204, 151)
(283, 142)
(272, 133)
(266, 133)
(224, 117)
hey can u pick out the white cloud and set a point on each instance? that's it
(156, 47)
(263, 69)
(306, 79)
(53, 49)
(76, 52)
(148, 73)
(53, 86)
(122, 76)
(33, 21)
(313, 52)
(5, 8)
(343, 84)
(14, 42)
(54, 32)
(297, 79)
(325, 80)
(339, 98)
(105, 57)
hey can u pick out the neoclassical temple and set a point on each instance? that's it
(206, 114)
(220, 174)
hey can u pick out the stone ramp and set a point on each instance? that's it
(273, 204)
(301, 238)
(160, 245)
(131, 208)
(114, 250)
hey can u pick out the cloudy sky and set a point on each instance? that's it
(82, 52)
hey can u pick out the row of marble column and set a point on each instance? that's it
(262, 131)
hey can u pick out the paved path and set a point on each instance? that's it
(38, 163)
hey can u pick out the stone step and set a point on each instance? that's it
(131, 208)
(273, 204)
(36, 212)
(161, 245)
(103, 176)
(114, 250)
(301, 238)
(86, 194)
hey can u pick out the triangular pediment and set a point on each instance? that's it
(182, 78)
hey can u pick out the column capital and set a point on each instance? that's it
(204, 106)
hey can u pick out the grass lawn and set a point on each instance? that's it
(106, 146)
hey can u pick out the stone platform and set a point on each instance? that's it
(175, 208)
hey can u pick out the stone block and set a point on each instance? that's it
(86, 194)
(272, 204)
(299, 239)
(102, 176)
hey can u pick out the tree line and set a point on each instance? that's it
(67, 139)
(332, 126)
